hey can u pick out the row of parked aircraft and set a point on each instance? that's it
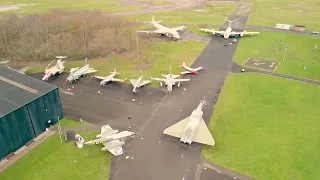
(174, 32)
(169, 80)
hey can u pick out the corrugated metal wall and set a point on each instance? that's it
(22, 125)
(15, 131)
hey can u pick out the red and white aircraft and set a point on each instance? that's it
(189, 69)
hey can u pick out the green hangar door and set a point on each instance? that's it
(26, 105)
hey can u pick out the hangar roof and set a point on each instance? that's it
(17, 90)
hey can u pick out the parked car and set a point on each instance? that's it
(315, 32)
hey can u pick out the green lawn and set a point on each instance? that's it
(267, 128)
(67, 123)
(40, 6)
(52, 160)
(294, 12)
(270, 46)
(211, 13)
(153, 61)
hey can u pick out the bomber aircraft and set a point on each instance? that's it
(163, 30)
(228, 32)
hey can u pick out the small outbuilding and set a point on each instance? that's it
(26, 106)
(299, 28)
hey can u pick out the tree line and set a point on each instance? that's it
(74, 34)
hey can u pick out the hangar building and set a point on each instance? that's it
(26, 105)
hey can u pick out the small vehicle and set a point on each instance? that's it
(315, 32)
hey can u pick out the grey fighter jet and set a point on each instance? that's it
(76, 73)
(109, 78)
(111, 139)
(192, 128)
(137, 83)
(170, 80)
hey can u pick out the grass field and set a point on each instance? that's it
(267, 128)
(294, 12)
(153, 61)
(52, 160)
(40, 6)
(67, 123)
(211, 13)
(271, 46)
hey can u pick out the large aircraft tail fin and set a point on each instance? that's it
(183, 64)
(154, 21)
(230, 21)
(115, 71)
(79, 141)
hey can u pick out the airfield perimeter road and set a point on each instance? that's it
(179, 5)
(236, 68)
(153, 155)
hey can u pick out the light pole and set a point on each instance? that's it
(285, 52)
(137, 40)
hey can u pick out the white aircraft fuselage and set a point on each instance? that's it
(227, 32)
(107, 79)
(137, 84)
(193, 124)
(169, 31)
(58, 68)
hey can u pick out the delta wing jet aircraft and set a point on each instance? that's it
(163, 30)
(228, 32)
(111, 139)
(53, 70)
(76, 73)
(109, 78)
(192, 128)
(170, 80)
(137, 83)
(189, 69)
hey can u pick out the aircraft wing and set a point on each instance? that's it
(133, 81)
(180, 28)
(181, 80)
(185, 72)
(99, 77)
(198, 68)
(116, 151)
(212, 31)
(177, 129)
(244, 33)
(159, 79)
(107, 130)
(119, 80)
(203, 135)
(148, 31)
(144, 82)
(91, 70)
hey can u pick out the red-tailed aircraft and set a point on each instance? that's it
(189, 69)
